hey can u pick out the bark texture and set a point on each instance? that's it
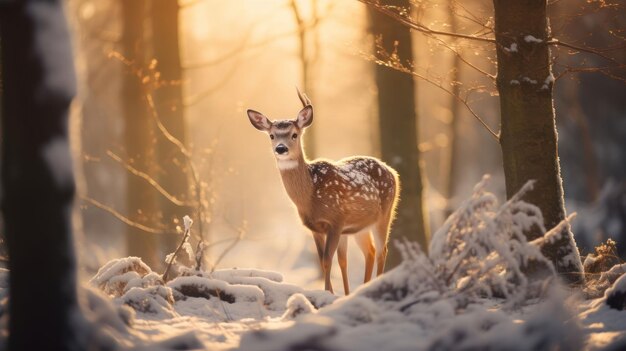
(398, 132)
(37, 180)
(529, 137)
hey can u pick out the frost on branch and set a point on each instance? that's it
(481, 249)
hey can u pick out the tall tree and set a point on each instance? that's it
(168, 102)
(139, 134)
(455, 111)
(307, 32)
(528, 136)
(37, 180)
(398, 130)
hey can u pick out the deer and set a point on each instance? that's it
(353, 196)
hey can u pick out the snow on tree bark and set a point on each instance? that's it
(528, 138)
(37, 179)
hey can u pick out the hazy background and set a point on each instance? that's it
(242, 54)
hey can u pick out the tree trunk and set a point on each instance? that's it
(455, 112)
(398, 132)
(139, 137)
(529, 138)
(37, 179)
(306, 60)
(173, 172)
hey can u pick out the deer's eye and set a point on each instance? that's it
(294, 136)
(272, 136)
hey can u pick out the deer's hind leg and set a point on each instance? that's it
(381, 237)
(342, 258)
(366, 244)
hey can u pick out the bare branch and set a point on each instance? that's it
(241, 232)
(172, 139)
(375, 4)
(122, 218)
(246, 45)
(148, 179)
(173, 258)
(393, 62)
(194, 99)
(589, 50)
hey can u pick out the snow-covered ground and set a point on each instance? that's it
(470, 292)
(249, 309)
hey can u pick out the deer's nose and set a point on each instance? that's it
(281, 149)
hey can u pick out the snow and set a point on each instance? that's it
(528, 80)
(470, 292)
(531, 39)
(512, 48)
(188, 222)
(547, 83)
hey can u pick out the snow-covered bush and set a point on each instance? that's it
(604, 257)
(114, 277)
(602, 268)
(157, 300)
(616, 294)
(133, 283)
(239, 293)
(481, 249)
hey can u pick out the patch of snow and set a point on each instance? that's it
(188, 222)
(528, 80)
(547, 83)
(512, 48)
(531, 39)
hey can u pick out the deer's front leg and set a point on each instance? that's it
(332, 241)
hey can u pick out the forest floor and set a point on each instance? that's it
(247, 309)
(469, 292)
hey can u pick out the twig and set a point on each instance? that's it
(148, 179)
(587, 50)
(554, 232)
(419, 27)
(122, 218)
(241, 232)
(388, 61)
(173, 258)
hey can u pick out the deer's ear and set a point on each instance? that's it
(259, 121)
(305, 117)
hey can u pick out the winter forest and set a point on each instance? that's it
(313, 175)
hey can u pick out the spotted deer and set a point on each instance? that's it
(354, 196)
